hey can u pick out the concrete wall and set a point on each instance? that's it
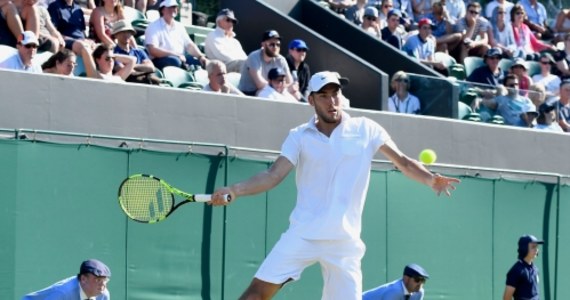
(90, 106)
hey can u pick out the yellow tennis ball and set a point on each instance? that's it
(428, 156)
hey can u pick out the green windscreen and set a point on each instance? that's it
(60, 207)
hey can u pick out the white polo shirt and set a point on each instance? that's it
(332, 176)
(170, 37)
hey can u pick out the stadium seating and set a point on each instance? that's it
(180, 78)
(201, 76)
(471, 63)
(505, 64)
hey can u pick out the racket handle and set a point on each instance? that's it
(208, 197)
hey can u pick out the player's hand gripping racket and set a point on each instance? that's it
(148, 199)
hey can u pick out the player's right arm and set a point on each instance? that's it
(509, 292)
(261, 182)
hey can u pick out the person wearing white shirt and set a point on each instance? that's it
(217, 81)
(550, 81)
(167, 40)
(276, 89)
(22, 59)
(221, 43)
(402, 101)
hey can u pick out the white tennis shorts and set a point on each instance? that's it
(340, 264)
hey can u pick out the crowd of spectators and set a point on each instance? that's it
(106, 44)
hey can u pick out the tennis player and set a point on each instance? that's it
(333, 154)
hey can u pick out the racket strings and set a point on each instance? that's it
(145, 199)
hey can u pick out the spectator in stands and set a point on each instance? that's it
(276, 89)
(10, 23)
(123, 33)
(67, 17)
(537, 94)
(512, 107)
(550, 81)
(340, 6)
(536, 18)
(50, 39)
(403, 101)
(422, 9)
(562, 25)
(168, 42)
(143, 5)
(22, 60)
(102, 20)
(474, 31)
(502, 36)
(490, 73)
(393, 33)
(446, 39)
(300, 71)
(221, 43)
(455, 10)
(407, 12)
(105, 62)
(422, 46)
(62, 62)
(492, 6)
(355, 13)
(259, 62)
(563, 106)
(527, 44)
(217, 79)
(547, 119)
(370, 22)
(519, 68)
(28, 14)
(562, 58)
(387, 6)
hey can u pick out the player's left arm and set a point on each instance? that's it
(417, 171)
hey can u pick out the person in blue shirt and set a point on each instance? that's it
(410, 286)
(490, 73)
(90, 283)
(522, 278)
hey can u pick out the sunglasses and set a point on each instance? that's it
(388, 6)
(275, 45)
(500, 12)
(231, 21)
(473, 12)
(512, 85)
(520, 13)
(545, 62)
(30, 46)
(404, 80)
(371, 18)
(300, 50)
(494, 57)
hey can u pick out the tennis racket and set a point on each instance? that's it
(148, 199)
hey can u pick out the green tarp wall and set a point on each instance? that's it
(59, 207)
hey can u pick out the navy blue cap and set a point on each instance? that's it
(394, 12)
(527, 238)
(276, 73)
(494, 52)
(414, 270)
(228, 13)
(94, 267)
(270, 34)
(298, 44)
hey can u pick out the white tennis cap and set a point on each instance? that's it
(168, 3)
(28, 37)
(319, 80)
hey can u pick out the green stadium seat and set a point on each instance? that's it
(505, 64)
(201, 76)
(463, 110)
(471, 63)
(533, 68)
(180, 78)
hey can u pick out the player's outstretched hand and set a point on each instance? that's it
(218, 197)
(441, 184)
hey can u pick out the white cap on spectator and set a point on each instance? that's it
(28, 37)
(168, 3)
